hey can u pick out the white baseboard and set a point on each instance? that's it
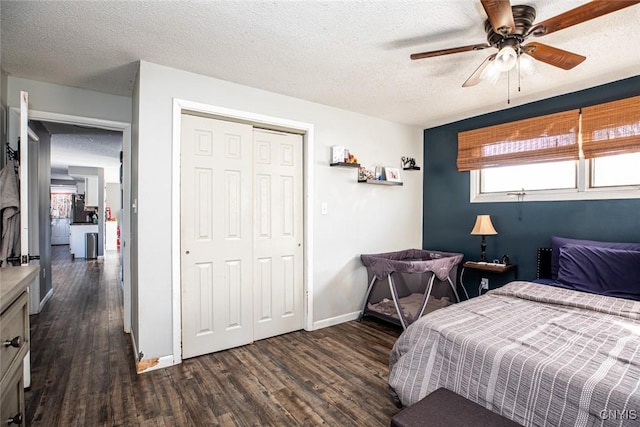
(156, 363)
(46, 299)
(148, 365)
(332, 321)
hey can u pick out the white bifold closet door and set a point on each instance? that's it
(241, 234)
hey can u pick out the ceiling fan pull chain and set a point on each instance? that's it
(508, 87)
(519, 73)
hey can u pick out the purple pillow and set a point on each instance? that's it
(604, 271)
(558, 242)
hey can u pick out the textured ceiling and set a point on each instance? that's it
(73, 145)
(348, 54)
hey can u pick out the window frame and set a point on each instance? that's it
(584, 191)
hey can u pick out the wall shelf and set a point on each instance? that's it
(345, 165)
(412, 168)
(380, 182)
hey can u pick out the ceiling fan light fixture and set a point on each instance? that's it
(508, 28)
(491, 74)
(527, 65)
(506, 58)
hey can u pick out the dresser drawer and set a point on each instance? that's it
(14, 335)
(12, 400)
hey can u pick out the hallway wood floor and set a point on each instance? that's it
(83, 372)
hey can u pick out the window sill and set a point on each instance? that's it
(558, 195)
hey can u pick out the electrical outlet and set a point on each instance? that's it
(484, 283)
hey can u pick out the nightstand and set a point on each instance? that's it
(488, 268)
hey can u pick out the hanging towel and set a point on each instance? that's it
(10, 213)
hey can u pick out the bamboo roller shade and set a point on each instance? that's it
(611, 128)
(552, 137)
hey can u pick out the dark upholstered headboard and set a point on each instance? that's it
(543, 263)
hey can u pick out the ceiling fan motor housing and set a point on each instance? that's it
(512, 25)
(523, 17)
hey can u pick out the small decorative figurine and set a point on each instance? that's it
(408, 162)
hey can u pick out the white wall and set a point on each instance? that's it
(3, 105)
(3, 115)
(69, 100)
(113, 199)
(361, 218)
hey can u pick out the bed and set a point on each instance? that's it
(541, 354)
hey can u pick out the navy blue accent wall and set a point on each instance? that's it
(525, 226)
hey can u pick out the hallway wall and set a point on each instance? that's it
(42, 201)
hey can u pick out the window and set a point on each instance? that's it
(617, 170)
(593, 153)
(611, 177)
(537, 176)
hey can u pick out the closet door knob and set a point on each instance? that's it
(16, 342)
(17, 419)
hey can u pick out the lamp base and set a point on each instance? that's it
(483, 250)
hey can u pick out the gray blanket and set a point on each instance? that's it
(539, 355)
(9, 214)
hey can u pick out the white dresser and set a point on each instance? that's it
(14, 340)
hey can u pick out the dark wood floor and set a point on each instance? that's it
(83, 372)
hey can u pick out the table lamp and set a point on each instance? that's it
(483, 227)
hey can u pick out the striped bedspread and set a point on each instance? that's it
(539, 355)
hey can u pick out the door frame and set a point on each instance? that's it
(182, 106)
(125, 128)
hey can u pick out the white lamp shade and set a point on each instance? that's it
(483, 226)
(491, 73)
(527, 65)
(506, 58)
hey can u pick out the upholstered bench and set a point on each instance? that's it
(444, 408)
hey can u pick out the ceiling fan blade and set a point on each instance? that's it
(500, 15)
(553, 56)
(580, 14)
(475, 78)
(449, 51)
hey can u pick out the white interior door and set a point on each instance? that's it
(27, 246)
(278, 233)
(241, 234)
(24, 178)
(216, 238)
(29, 213)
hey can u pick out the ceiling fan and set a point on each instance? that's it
(509, 26)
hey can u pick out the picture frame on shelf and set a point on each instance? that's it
(364, 174)
(392, 174)
(339, 154)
